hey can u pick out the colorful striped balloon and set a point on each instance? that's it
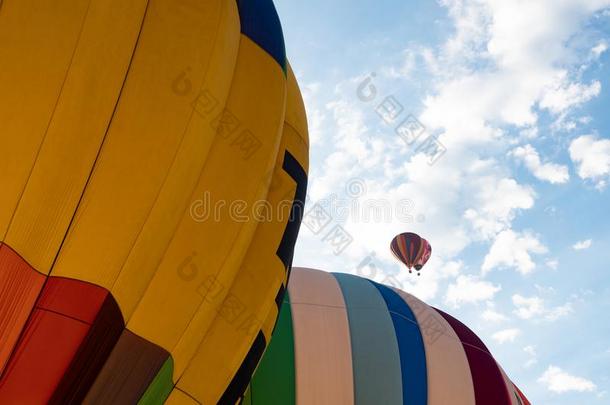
(411, 249)
(426, 252)
(344, 340)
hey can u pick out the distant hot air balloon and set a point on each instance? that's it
(129, 130)
(412, 250)
(425, 256)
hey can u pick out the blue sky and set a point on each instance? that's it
(514, 198)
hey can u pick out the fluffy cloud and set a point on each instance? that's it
(523, 64)
(497, 201)
(469, 289)
(491, 315)
(566, 95)
(316, 116)
(582, 245)
(535, 308)
(506, 335)
(532, 354)
(490, 80)
(599, 49)
(513, 250)
(552, 264)
(591, 156)
(551, 172)
(558, 381)
(528, 308)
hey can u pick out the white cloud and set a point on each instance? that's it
(535, 308)
(469, 289)
(491, 315)
(531, 350)
(599, 49)
(497, 201)
(528, 308)
(591, 156)
(564, 95)
(558, 381)
(315, 114)
(506, 335)
(513, 250)
(551, 172)
(582, 245)
(533, 356)
(493, 72)
(522, 45)
(559, 312)
(552, 264)
(406, 69)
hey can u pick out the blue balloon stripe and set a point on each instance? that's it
(260, 23)
(411, 348)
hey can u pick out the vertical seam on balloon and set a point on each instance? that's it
(161, 188)
(187, 394)
(507, 381)
(303, 345)
(483, 350)
(99, 152)
(173, 234)
(296, 171)
(380, 288)
(92, 167)
(21, 333)
(288, 330)
(237, 236)
(341, 279)
(239, 382)
(204, 337)
(242, 37)
(44, 137)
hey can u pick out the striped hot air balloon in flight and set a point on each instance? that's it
(412, 250)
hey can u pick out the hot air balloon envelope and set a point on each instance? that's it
(411, 249)
(127, 130)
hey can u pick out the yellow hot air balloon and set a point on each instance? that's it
(152, 180)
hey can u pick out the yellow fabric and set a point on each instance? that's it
(76, 129)
(153, 153)
(35, 62)
(115, 150)
(252, 293)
